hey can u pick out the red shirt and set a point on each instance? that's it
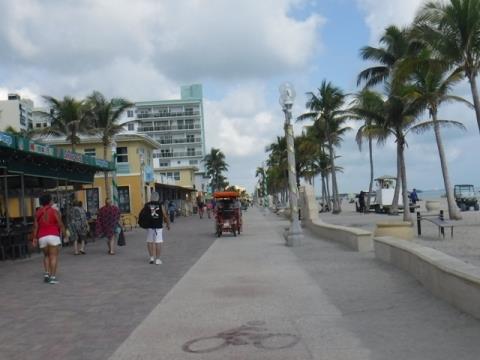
(47, 222)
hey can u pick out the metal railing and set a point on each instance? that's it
(168, 128)
(167, 114)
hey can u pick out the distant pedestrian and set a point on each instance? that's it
(361, 201)
(47, 227)
(200, 205)
(107, 223)
(156, 214)
(209, 208)
(414, 197)
(172, 207)
(78, 227)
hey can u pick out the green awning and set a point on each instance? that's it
(22, 155)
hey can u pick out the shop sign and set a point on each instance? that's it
(68, 155)
(148, 175)
(6, 139)
(41, 149)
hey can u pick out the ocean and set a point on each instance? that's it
(436, 194)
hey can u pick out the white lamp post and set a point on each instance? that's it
(294, 234)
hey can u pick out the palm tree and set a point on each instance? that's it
(215, 165)
(364, 103)
(67, 118)
(104, 115)
(397, 45)
(432, 84)
(260, 173)
(453, 29)
(277, 168)
(400, 117)
(326, 109)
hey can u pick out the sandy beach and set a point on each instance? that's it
(464, 245)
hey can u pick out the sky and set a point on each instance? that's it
(240, 51)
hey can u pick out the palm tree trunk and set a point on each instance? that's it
(476, 100)
(370, 187)
(336, 204)
(329, 200)
(452, 206)
(105, 174)
(396, 195)
(406, 208)
(324, 191)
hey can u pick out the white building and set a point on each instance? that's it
(16, 112)
(178, 126)
(40, 118)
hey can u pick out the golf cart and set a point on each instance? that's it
(465, 197)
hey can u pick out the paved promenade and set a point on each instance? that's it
(247, 297)
(250, 297)
(100, 298)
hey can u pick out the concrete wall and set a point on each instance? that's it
(356, 239)
(449, 278)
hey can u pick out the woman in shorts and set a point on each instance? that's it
(47, 227)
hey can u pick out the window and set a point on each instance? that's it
(90, 152)
(191, 152)
(122, 154)
(176, 175)
(124, 199)
(190, 138)
(38, 125)
(193, 162)
(131, 127)
(166, 153)
(92, 201)
(189, 124)
(130, 114)
(164, 163)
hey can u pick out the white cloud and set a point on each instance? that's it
(381, 14)
(241, 124)
(177, 41)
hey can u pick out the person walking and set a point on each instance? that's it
(107, 222)
(155, 229)
(78, 227)
(414, 196)
(361, 201)
(172, 207)
(47, 227)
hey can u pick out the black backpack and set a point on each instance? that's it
(145, 217)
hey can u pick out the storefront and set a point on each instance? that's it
(29, 168)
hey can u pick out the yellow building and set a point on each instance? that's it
(134, 177)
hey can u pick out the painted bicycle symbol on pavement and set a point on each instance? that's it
(252, 333)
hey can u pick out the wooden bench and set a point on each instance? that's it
(438, 220)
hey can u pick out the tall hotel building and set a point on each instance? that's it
(179, 127)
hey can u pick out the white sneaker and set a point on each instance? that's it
(158, 262)
(152, 260)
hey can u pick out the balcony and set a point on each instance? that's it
(169, 128)
(179, 154)
(169, 114)
(180, 141)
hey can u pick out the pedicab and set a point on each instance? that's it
(228, 217)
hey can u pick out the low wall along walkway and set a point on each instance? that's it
(356, 239)
(447, 277)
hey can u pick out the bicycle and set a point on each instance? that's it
(252, 333)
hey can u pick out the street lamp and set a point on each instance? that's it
(294, 234)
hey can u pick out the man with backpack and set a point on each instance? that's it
(152, 217)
